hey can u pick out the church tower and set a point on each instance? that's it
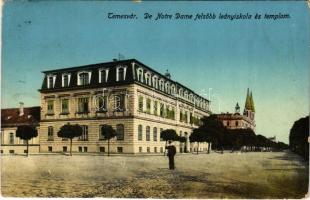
(249, 109)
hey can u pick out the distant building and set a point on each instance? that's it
(137, 101)
(11, 118)
(238, 121)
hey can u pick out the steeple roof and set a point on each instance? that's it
(252, 102)
(248, 101)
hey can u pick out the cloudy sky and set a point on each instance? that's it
(271, 57)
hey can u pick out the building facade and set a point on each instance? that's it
(134, 99)
(11, 118)
(238, 121)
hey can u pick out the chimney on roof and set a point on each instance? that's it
(21, 108)
(167, 74)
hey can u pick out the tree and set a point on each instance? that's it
(298, 138)
(70, 131)
(199, 135)
(26, 132)
(169, 134)
(108, 133)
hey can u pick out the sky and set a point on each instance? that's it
(271, 57)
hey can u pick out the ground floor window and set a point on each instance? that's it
(85, 149)
(25, 151)
(140, 149)
(64, 149)
(148, 149)
(101, 149)
(50, 149)
(80, 149)
(11, 151)
(119, 149)
(1, 151)
(155, 149)
(161, 149)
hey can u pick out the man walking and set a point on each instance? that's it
(171, 153)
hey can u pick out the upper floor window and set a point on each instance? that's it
(51, 81)
(148, 79)
(155, 108)
(103, 75)
(84, 78)
(119, 102)
(50, 133)
(148, 106)
(11, 139)
(168, 88)
(65, 80)
(181, 92)
(161, 85)
(84, 135)
(172, 89)
(155, 82)
(65, 105)
(185, 95)
(101, 103)
(140, 103)
(120, 73)
(50, 106)
(120, 132)
(83, 105)
(140, 74)
(140, 132)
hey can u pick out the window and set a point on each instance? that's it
(155, 82)
(161, 130)
(236, 123)
(119, 102)
(148, 106)
(50, 133)
(64, 149)
(103, 75)
(147, 133)
(80, 149)
(11, 139)
(161, 85)
(155, 107)
(66, 80)
(162, 114)
(140, 75)
(168, 88)
(141, 103)
(51, 81)
(155, 134)
(101, 103)
(102, 149)
(140, 132)
(172, 89)
(84, 135)
(161, 149)
(155, 149)
(119, 149)
(84, 78)
(120, 74)
(11, 151)
(227, 123)
(120, 132)
(50, 107)
(101, 136)
(148, 149)
(140, 149)
(83, 105)
(148, 79)
(85, 149)
(65, 106)
(50, 148)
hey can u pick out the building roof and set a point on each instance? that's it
(130, 76)
(231, 116)
(10, 116)
(249, 103)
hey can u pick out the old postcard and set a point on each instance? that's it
(173, 100)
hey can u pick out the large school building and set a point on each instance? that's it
(137, 101)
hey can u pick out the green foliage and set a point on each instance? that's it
(298, 139)
(169, 134)
(70, 131)
(26, 132)
(107, 132)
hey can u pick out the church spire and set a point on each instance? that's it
(252, 102)
(247, 101)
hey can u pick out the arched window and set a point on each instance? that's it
(50, 133)
(155, 82)
(172, 89)
(147, 133)
(121, 74)
(140, 132)
(181, 134)
(168, 88)
(148, 79)
(120, 132)
(103, 75)
(84, 78)
(11, 138)
(66, 79)
(155, 134)
(140, 74)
